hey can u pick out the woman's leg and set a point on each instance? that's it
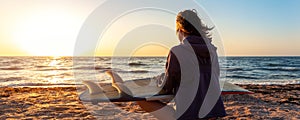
(158, 109)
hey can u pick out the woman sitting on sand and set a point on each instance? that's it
(192, 74)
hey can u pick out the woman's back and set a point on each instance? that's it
(192, 66)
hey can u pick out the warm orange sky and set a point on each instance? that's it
(50, 28)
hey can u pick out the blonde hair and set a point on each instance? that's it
(189, 23)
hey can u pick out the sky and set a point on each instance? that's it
(244, 27)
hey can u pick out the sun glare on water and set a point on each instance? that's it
(46, 34)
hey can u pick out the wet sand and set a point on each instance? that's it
(268, 102)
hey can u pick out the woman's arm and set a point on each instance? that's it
(173, 74)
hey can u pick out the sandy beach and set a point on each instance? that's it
(268, 102)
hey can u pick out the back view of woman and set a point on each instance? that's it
(192, 74)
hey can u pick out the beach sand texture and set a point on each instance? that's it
(268, 102)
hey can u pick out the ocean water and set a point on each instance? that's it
(68, 71)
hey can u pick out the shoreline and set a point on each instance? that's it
(267, 102)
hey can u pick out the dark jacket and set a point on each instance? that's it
(192, 69)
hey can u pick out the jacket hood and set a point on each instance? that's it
(200, 46)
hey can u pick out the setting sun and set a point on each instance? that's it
(46, 33)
